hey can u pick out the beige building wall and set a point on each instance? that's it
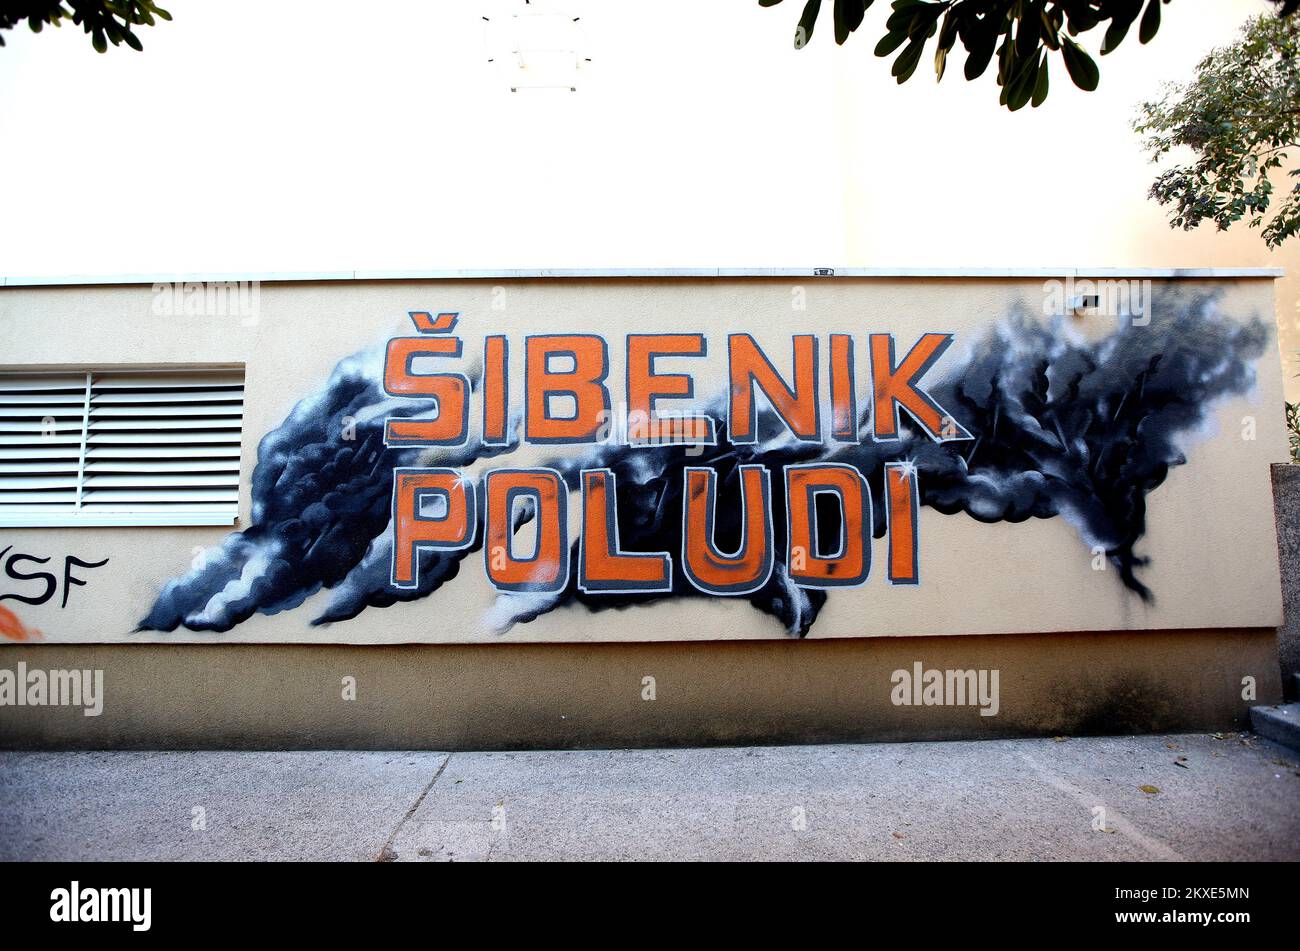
(1074, 651)
(1207, 535)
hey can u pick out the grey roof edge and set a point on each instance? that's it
(644, 273)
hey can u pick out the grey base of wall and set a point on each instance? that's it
(458, 697)
(1286, 508)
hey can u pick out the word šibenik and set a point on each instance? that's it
(435, 509)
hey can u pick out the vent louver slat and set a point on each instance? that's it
(160, 452)
(113, 447)
(158, 438)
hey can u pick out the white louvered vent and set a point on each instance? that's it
(120, 447)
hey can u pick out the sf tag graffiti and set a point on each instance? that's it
(15, 569)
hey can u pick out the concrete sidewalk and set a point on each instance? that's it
(1219, 797)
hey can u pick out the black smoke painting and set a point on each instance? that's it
(1053, 425)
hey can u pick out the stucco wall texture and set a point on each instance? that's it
(455, 697)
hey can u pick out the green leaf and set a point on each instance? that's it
(1082, 70)
(1115, 33)
(1006, 62)
(1150, 22)
(981, 51)
(948, 32)
(1026, 37)
(1048, 31)
(900, 19)
(947, 39)
(804, 31)
(1022, 86)
(890, 42)
(1018, 97)
(848, 17)
(905, 65)
(761, 3)
(1082, 18)
(1040, 86)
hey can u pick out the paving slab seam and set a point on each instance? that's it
(1154, 847)
(386, 853)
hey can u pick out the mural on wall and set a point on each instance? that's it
(365, 492)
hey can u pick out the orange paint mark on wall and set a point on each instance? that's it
(14, 629)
